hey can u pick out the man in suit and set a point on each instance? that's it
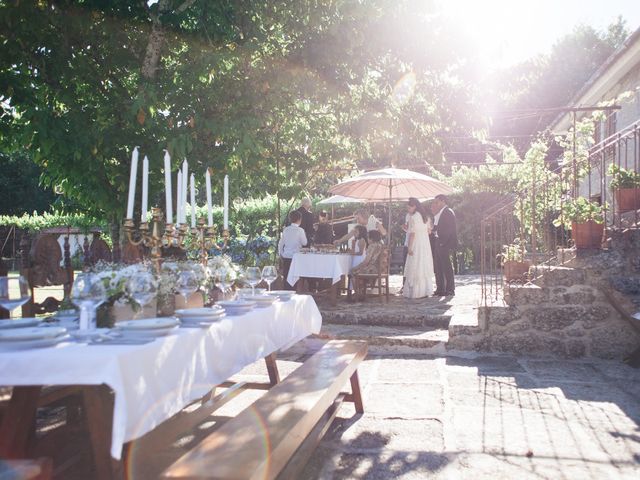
(445, 243)
(307, 219)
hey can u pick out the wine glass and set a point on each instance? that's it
(142, 288)
(253, 276)
(187, 284)
(224, 278)
(269, 275)
(88, 293)
(14, 292)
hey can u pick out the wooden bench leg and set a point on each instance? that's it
(18, 422)
(272, 369)
(356, 392)
(99, 411)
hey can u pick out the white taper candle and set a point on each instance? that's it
(226, 202)
(209, 207)
(192, 182)
(145, 189)
(167, 186)
(132, 182)
(185, 189)
(179, 197)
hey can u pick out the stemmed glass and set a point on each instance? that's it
(187, 284)
(269, 275)
(88, 293)
(224, 278)
(142, 288)
(14, 292)
(253, 278)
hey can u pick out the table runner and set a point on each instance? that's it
(319, 265)
(154, 381)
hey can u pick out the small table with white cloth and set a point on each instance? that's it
(333, 266)
(154, 381)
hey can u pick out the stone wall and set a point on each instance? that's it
(580, 310)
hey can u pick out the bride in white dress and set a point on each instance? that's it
(418, 269)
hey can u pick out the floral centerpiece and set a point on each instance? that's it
(217, 265)
(114, 278)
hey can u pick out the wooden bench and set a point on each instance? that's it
(277, 434)
(38, 469)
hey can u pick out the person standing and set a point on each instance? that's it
(445, 233)
(324, 233)
(307, 219)
(292, 240)
(418, 269)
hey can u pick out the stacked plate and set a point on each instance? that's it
(19, 323)
(261, 301)
(283, 295)
(147, 327)
(67, 319)
(247, 292)
(31, 337)
(237, 307)
(200, 316)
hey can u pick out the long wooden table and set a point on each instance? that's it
(129, 390)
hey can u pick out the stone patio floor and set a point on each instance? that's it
(459, 417)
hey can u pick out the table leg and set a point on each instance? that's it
(98, 404)
(333, 294)
(272, 369)
(18, 422)
(356, 392)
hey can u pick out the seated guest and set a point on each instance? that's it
(292, 240)
(360, 243)
(324, 233)
(370, 263)
(362, 218)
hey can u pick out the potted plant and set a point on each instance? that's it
(514, 265)
(586, 220)
(625, 185)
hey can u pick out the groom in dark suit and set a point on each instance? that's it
(445, 243)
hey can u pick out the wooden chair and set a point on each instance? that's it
(291, 417)
(396, 264)
(376, 281)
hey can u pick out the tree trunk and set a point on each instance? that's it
(154, 46)
(114, 232)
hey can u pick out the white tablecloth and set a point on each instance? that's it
(154, 381)
(319, 265)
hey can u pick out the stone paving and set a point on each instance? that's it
(487, 417)
(425, 312)
(455, 417)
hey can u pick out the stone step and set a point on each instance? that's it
(531, 295)
(397, 319)
(559, 276)
(383, 339)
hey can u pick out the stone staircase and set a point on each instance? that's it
(585, 308)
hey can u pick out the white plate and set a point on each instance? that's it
(19, 323)
(90, 334)
(39, 343)
(236, 304)
(151, 333)
(198, 312)
(31, 333)
(198, 320)
(148, 324)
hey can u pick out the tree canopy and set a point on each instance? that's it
(271, 93)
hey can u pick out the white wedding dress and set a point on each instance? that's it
(418, 270)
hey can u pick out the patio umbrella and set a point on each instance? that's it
(390, 184)
(338, 199)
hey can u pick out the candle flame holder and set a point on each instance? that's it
(207, 239)
(154, 237)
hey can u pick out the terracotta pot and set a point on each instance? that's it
(587, 235)
(515, 270)
(627, 199)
